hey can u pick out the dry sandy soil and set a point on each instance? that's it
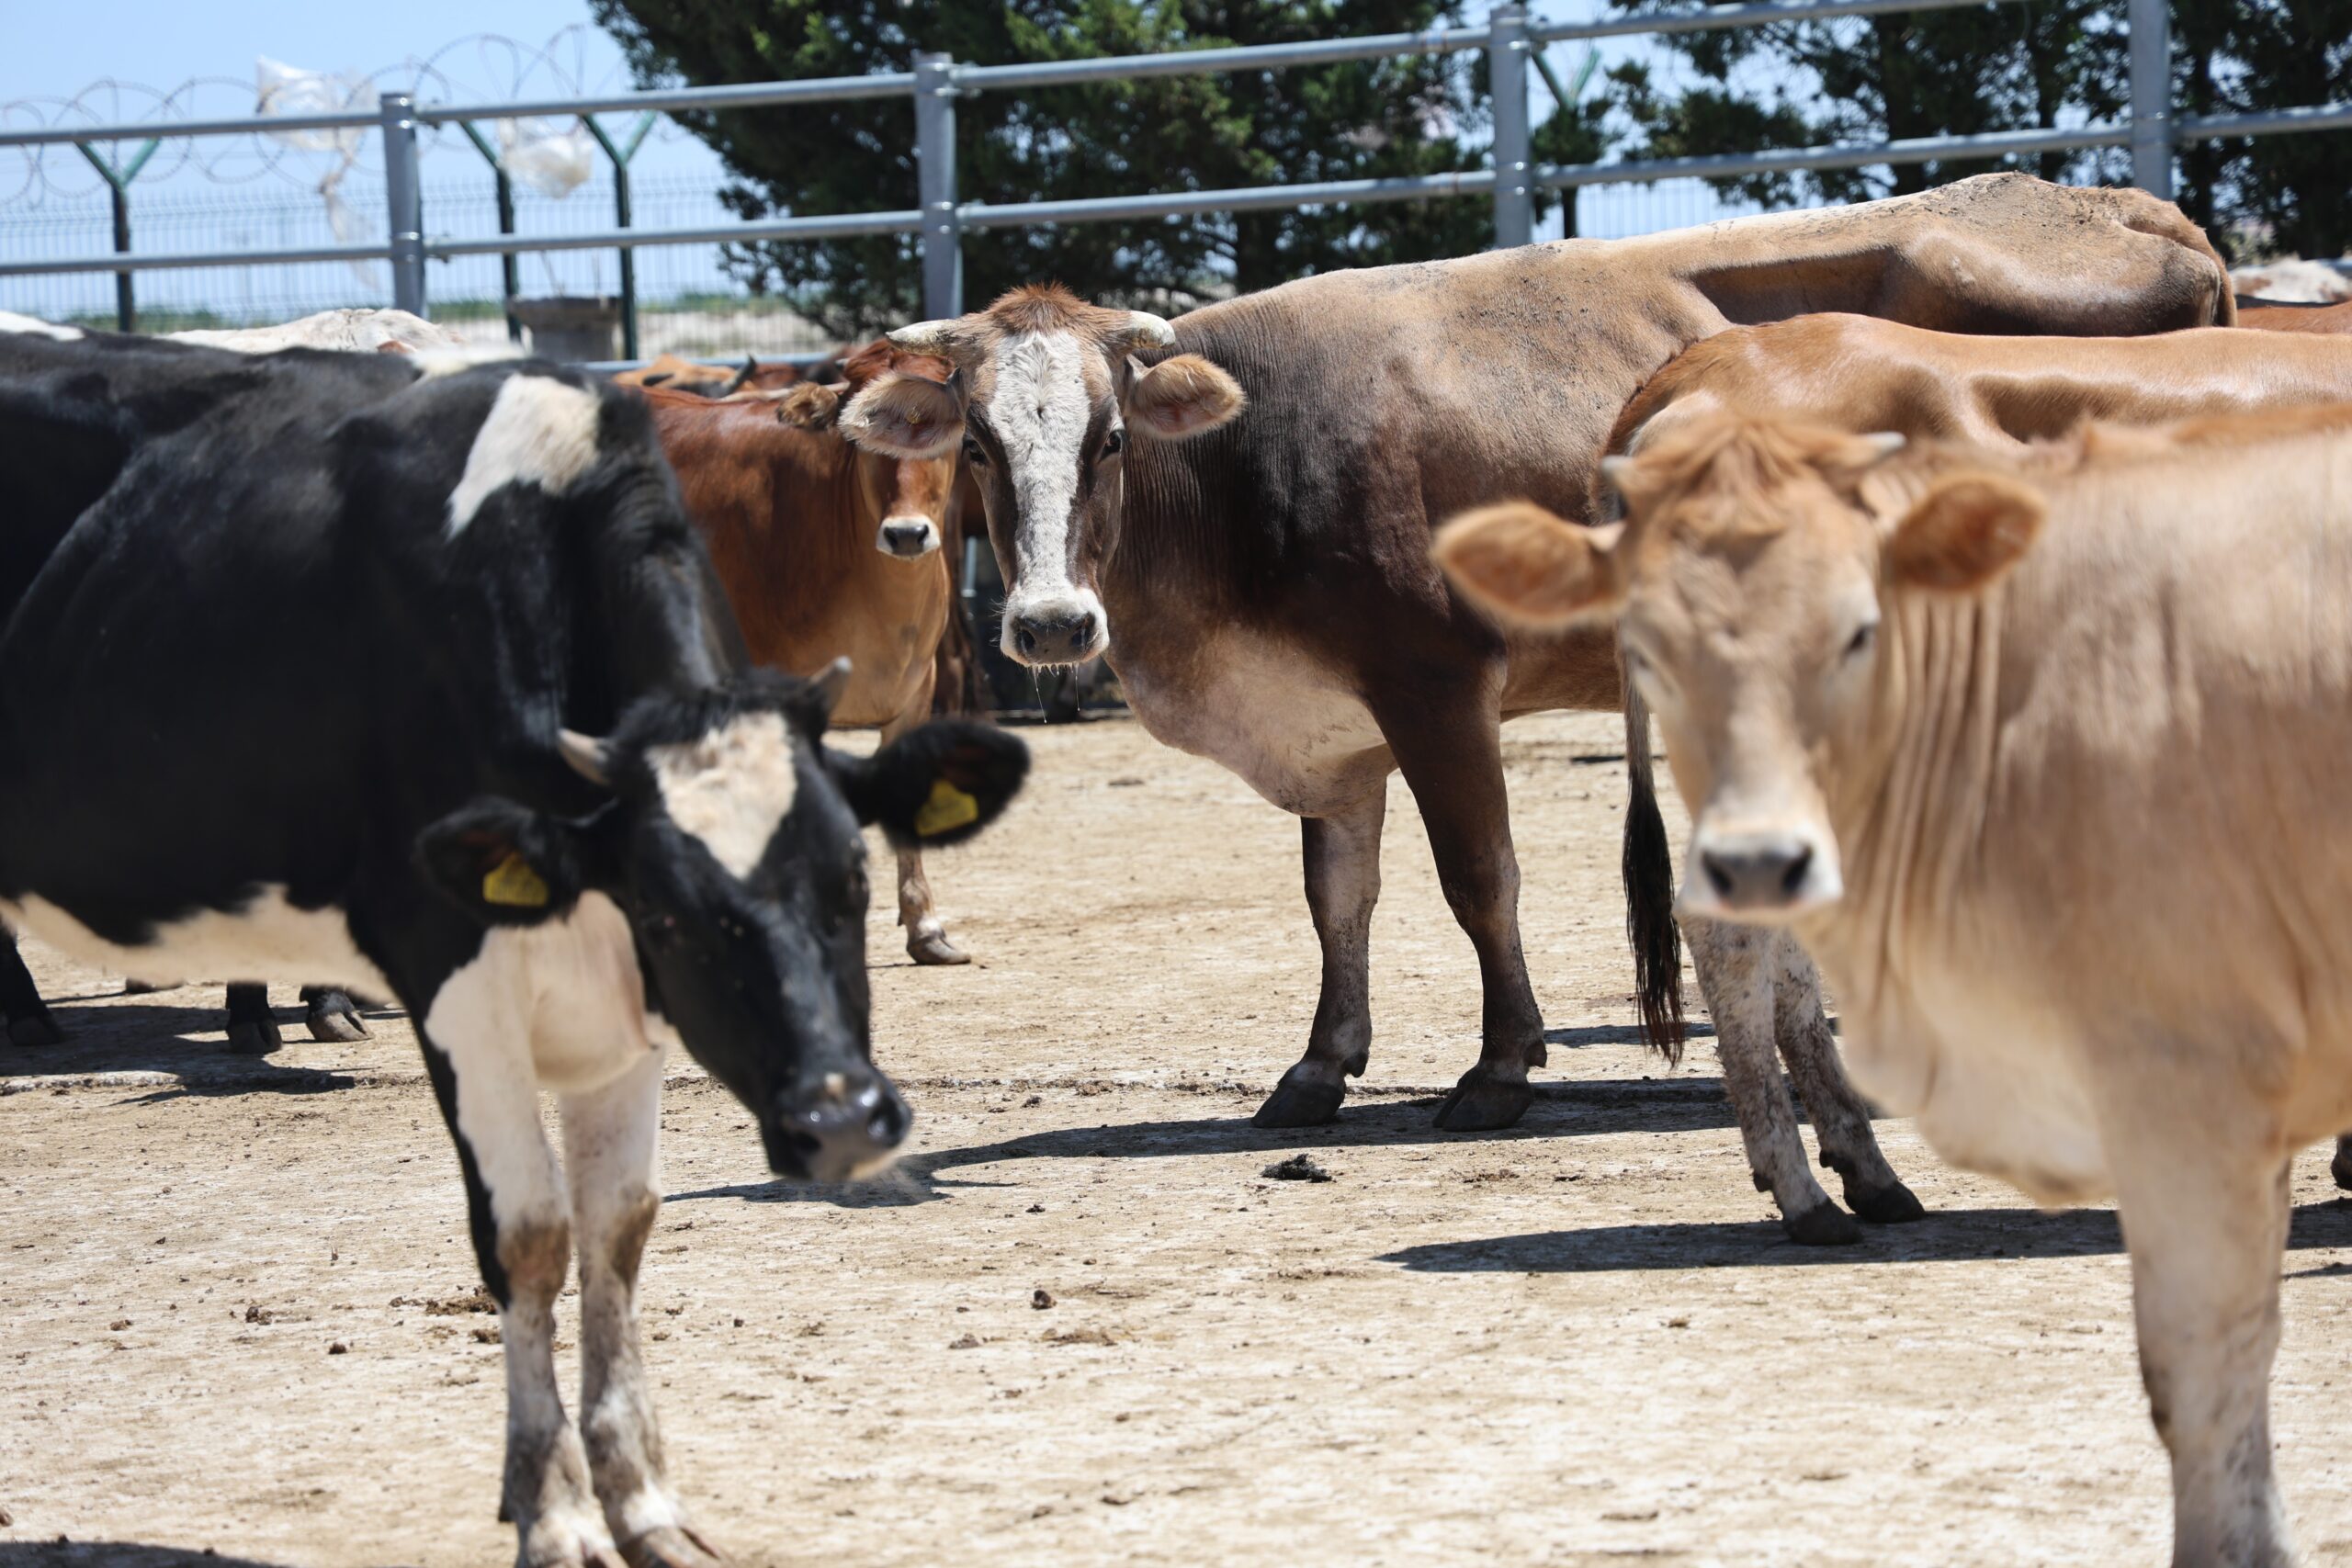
(1580, 1341)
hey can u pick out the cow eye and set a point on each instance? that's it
(973, 454)
(1864, 636)
(1114, 443)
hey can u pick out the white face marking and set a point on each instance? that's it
(10, 322)
(1039, 414)
(540, 432)
(268, 939)
(731, 789)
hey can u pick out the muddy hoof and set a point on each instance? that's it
(249, 1038)
(1889, 1205)
(1301, 1101)
(2341, 1166)
(673, 1547)
(331, 1015)
(1826, 1225)
(39, 1029)
(1481, 1103)
(140, 988)
(933, 947)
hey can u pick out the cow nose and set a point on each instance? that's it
(1758, 872)
(843, 1124)
(906, 537)
(1054, 637)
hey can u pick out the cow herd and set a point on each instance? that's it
(1989, 580)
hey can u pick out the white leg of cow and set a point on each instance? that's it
(1736, 966)
(611, 1153)
(483, 1028)
(926, 934)
(2203, 1194)
(1841, 1119)
(1342, 856)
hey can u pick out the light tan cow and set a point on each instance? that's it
(2043, 757)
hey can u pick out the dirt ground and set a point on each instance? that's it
(1580, 1341)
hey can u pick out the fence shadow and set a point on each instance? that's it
(1946, 1235)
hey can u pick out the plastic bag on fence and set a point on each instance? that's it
(553, 157)
(286, 89)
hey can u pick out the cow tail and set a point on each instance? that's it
(1650, 926)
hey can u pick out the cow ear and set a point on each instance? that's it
(1181, 396)
(809, 405)
(1963, 533)
(939, 784)
(502, 863)
(1521, 564)
(905, 416)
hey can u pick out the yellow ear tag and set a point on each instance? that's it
(513, 882)
(947, 809)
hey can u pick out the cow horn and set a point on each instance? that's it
(926, 337)
(735, 382)
(1884, 444)
(1142, 330)
(585, 752)
(830, 683)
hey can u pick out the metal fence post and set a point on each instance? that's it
(126, 302)
(623, 218)
(403, 202)
(1507, 49)
(943, 255)
(508, 272)
(2151, 22)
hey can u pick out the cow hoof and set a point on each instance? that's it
(1301, 1100)
(673, 1547)
(334, 1016)
(255, 1039)
(1482, 1102)
(35, 1028)
(1889, 1205)
(140, 988)
(1826, 1225)
(933, 947)
(2341, 1166)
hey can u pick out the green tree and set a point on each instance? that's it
(1415, 116)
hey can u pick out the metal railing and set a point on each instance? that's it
(1511, 41)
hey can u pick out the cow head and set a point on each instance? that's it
(1750, 582)
(730, 840)
(909, 480)
(1051, 398)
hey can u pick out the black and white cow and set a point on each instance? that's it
(548, 808)
(69, 422)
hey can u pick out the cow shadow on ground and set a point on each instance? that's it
(1562, 1110)
(64, 1554)
(109, 1035)
(1950, 1236)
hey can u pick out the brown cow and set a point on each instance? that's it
(2042, 755)
(829, 552)
(2266, 317)
(675, 373)
(1265, 591)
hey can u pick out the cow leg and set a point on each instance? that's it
(2341, 1166)
(328, 1013)
(1450, 749)
(1737, 973)
(27, 1015)
(522, 1234)
(1841, 1119)
(253, 1028)
(926, 935)
(1342, 856)
(610, 1152)
(2204, 1204)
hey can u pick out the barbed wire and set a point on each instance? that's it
(477, 68)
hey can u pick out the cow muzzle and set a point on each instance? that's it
(839, 1126)
(1064, 629)
(1761, 875)
(907, 538)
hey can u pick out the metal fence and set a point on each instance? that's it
(1511, 41)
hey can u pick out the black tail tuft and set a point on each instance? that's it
(1650, 926)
